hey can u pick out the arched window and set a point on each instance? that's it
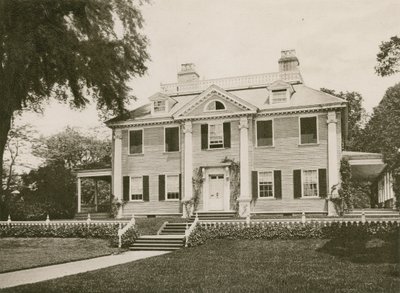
(215, 106)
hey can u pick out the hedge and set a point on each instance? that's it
(316, 230)
(103, 231)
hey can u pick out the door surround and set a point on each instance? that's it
(206, 172)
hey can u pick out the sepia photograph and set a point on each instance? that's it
(200, 146)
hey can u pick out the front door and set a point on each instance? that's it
(216, 192)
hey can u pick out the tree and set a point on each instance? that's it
(357, 117)
(75, 150)
(67, 50)
(388, 57)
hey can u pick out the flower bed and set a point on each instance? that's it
(316, 230)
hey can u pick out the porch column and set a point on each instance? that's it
(78, 186)
(244, 199)
(188, 168)
(117, 168)
(333, 163)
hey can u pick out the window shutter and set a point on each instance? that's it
(204, 136)
(278, 184)
(161, 187)
(180, 186)
(125, 187)
(297, 183)
(322, 183)
(254, 187)
(145, 188)
(227, 134)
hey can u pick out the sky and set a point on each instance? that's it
(336, 43)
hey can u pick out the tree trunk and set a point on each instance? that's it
(5, 124)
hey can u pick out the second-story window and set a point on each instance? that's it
(308, 130)
(172, 139)
(159, 106)
(279, 96)
(264, 133)
(216, 135)
(136, 141)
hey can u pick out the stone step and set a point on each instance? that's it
(163, 248)
(158, 241)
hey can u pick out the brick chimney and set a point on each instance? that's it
(288, 61)
(188, 73)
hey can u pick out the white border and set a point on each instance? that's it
(273, 184)
(130, 188)
(223, 135)
(302, 184)
(166, 187)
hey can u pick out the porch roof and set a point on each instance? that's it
(367, 166)
(103, 174)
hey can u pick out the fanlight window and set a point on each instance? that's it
(215, 106)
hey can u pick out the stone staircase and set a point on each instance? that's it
(171, 236)
(373, 213)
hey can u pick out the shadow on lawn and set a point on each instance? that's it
(365, 250)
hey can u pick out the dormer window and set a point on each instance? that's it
(279, 96)
(159, 106)
(215, 106)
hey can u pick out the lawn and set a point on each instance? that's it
(247, 266)
(22, 253)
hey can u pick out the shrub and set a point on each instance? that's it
(319, 230)
(127, 239)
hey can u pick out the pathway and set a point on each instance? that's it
(34, 275)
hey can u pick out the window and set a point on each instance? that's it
(172, 139)
(216, 136)
(136, 141)
(215, 106)
(159, 106)
(310, 183)
(136, 188)
(172, 186)
(308, 130)
(279, 96)
(264, 133)
(265, 184)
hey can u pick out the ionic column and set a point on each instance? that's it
(117, 167)
(244, 199)
(78, 186)
(333, 163)
(188, 167)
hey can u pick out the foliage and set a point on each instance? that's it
(75, 149)
(381, 133)
(234, 174)
(60, 230)
(116, 204)
(69, 50)
(127, 239)
(345, 185)
(361, 195)
(357, 117)
(197, 187)
(270, 231)
(388, 57)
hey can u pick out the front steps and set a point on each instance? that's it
(159, 242)
(373, 213)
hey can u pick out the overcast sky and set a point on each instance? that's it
(336, 43)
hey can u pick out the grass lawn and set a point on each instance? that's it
(247, 266)
(22, 253)
(150, 226)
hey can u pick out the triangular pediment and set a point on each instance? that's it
(203, 104)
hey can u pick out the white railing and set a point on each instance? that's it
(162, 227)
(122, 231)
(190, 229)
(227, 83)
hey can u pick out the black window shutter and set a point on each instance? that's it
(254, 187)
(161, 187)
(227, 134)
(278, 184)
(297, 183)
(204, 136)
(125, 188)
(180, 186)
(322, 183)
(145, 188)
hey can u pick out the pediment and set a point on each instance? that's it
(200, 105)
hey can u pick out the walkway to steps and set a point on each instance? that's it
(172, 235)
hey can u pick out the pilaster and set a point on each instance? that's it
(333, 163)
(244, 200)
(117, 167)
(188, 160)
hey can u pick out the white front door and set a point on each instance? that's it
(216, 192)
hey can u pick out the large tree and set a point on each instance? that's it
(388, 57)
(68, 50)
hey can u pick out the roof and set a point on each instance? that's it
(257, 97)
